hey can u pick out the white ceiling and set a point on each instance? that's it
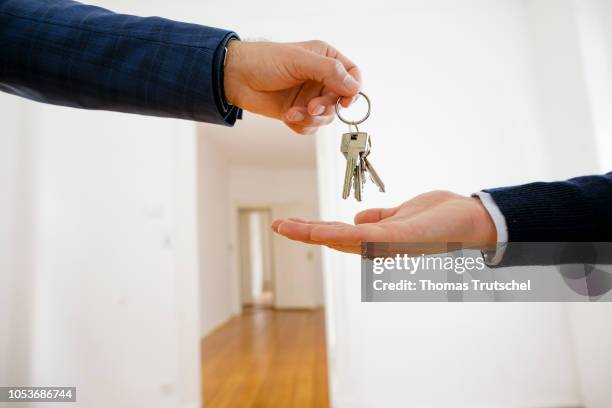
(256, 141)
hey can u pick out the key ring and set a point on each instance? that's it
(354, 122)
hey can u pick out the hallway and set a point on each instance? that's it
(266, 358)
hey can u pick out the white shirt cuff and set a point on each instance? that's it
(495, 257)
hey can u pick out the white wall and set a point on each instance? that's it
(214, 242)
(16, 208)
(560, 85)
(595, 34)
(107, 275)
(99, 262)
(591, 333)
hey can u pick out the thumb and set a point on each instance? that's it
(328, 71)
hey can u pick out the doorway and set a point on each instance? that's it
(256, 258)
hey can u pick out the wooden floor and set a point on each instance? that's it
(266, 358)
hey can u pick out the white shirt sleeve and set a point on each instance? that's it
(495, 257)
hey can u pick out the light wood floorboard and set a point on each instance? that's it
(266, 358)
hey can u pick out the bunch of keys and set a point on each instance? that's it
(356, 147)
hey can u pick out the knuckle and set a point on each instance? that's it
(338, 66)
(334, 67)
(444, 194)
(319, 44)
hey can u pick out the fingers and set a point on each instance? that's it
(311, 222)
(328, 71)
(327, 233)
(322, 105)
(303, 130)
(298, 115)
(301, 230)
(375, 215)
(345, 234)
(346, 101)
(316, 222)
(292, 232)
(299, 120)
(295, 230)
(325, 104)
(351, 249)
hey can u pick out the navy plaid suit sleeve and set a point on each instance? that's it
(67, 53)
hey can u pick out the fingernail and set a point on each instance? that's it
(296, 117)
(318, 110)
(351, 84)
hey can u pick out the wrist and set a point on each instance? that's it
(231, 74)
(486, 231)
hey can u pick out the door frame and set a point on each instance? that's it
(268, 209)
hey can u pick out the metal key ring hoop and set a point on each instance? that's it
(354, 122)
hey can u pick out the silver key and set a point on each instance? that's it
(353, 145)
(358, 181)
(348, 177)
(363, 166)
(367, 166)
(374, 175)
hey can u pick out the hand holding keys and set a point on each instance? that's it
(356, 147)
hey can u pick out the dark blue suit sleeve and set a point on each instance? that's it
(67, 53)
(576, 210)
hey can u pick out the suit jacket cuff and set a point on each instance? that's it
(494, 258)
(229, 113)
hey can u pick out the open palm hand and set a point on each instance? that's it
(434, 217)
